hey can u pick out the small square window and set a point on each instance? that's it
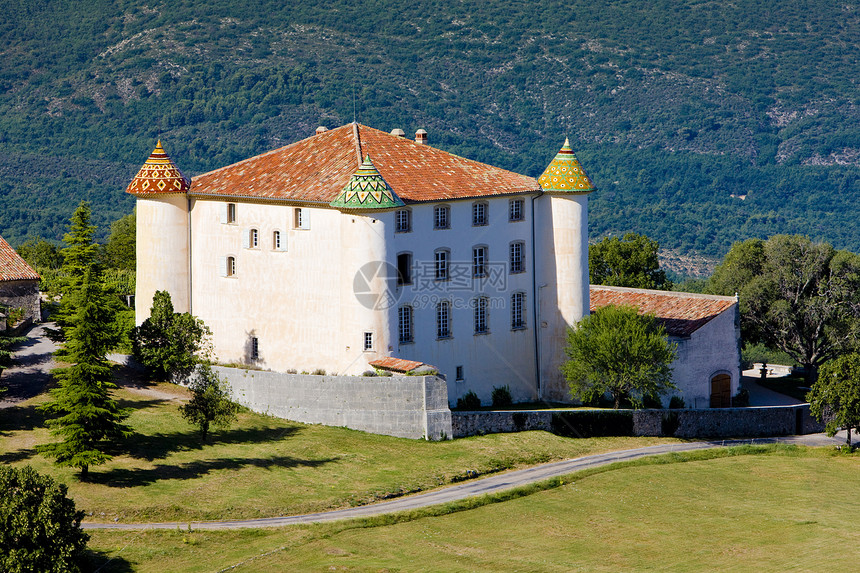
(459, 375)
(517, 210)
(403, 223)
(441, 217)
(368, 341)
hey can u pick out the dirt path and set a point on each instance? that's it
(492, 484)
(32, 363)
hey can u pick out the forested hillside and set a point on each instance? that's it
(702, 122)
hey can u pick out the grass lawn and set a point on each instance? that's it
(264, 467)
(783, 509)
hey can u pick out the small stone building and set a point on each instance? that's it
(19, 285)
(706, 329)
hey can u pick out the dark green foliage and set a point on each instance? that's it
(82, 411)
(627, 262)
(120, 247)
(676, 402)
(835, 396)
(687, 103)
(616, 350)
(40, 530)
(797, 296)
(592, 423)
(167, 341)
(501, 396)
(469, 401)
(40, 254)
(741, 399)
(210, 402)
(80, 256)
(669, 423)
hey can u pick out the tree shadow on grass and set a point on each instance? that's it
(17, 456)
(21, 418)
(122, 477)
(102, 562)
(159, 446)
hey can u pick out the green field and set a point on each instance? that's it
(784, 509)
(263, 466)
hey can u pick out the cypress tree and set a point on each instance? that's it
(85, 415)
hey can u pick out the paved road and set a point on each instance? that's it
(30, 373)
(492, 484)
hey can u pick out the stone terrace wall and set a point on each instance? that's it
(402, 406)
(703, 423)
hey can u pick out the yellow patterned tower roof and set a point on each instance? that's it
(158, 175)
(565, 174)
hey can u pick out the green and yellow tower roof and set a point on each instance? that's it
(158, 175)
(565, 174)
(366, 189)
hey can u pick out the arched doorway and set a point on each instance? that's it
(721, 391)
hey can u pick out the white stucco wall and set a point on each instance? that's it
(162, 252)
(711, 350)
(504, 355)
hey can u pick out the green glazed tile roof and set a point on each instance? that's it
(367, 189)
(565, 174)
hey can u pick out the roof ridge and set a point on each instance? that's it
(357, 136)
(672, 293)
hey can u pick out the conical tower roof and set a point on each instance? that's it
(158, 175)
(367, 189)
(565, 174)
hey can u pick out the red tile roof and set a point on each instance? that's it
(12, 266)
(680, 313)
(316, 169)
(396, 364)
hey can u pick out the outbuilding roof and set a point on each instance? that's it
(680, 313)
(396, 364)
(318, 168)
(12, 266)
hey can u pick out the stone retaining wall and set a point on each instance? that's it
(681, 423)
(402, 406)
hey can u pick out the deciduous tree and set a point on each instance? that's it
(40, 529)
(616, 350)
(835, 396)
(795, 295)
(627, 262)
(210, 402)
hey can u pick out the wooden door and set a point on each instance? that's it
(721, 391)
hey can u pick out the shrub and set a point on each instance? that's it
(318, 372)
(669, 424)
(502, 396)
(369, 373)
(40, 530)
(469, 401)
(741, 399)
(651, 401)
(676, 402)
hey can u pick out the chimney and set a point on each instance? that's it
(421, 137)
(398, 132)
(321, 129)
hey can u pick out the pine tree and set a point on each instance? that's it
(79, 255)
(85, 415)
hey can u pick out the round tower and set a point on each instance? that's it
(163, 233)
(561, 221)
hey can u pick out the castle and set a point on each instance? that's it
(357, 247)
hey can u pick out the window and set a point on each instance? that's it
(441, 217)
(253, 239)
(518, 316)
(255, 348)
(276, 241)
(517, 257)
(442, 257)
(481, 326)
(302, 219)
(443, 319)
(228, 213)
(479, 214)
(368, 341)
(404, 324)
(459, 371)
(516, 212)
(479, 261)
(403, 221)
(231, 266)
(404, 269)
